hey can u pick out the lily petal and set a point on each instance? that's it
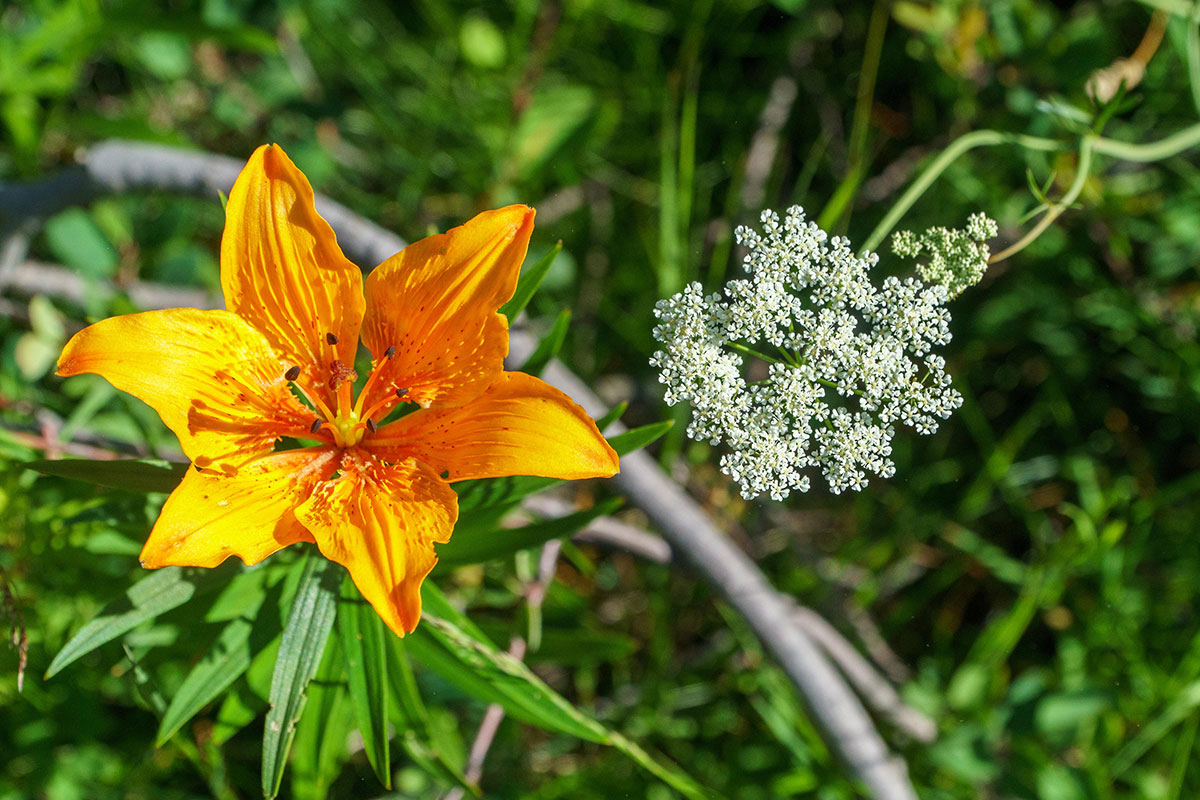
(282, 270)
(212, 378)
(520, 426)
(380, 523)
(210, 517)
(435, 302)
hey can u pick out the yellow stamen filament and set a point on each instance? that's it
(372, 379)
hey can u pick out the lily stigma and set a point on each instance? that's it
(370, 489)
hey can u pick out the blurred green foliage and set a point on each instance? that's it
(1036, 563)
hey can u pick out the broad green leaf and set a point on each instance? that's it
(216, 672)
(529, 282)
(550, 344)
(162, 591)
(471, 549)
(493, 676)
(637, 438)
(134, 476)
(78, 242)
(303, 642)
(363, 637)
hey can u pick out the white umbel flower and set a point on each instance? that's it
(847, 361)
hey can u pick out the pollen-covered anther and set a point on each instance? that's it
(390, 352)
(401, 393)
(372, 426)
(292, 374)
(339, 374)
(316, 425)
(331, 339)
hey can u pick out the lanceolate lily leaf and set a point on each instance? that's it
(457, 651)
(304, 639)
(528, 283)
(470, 549)
(225, 663)
(129, 474)
(364, 643)
(156, 594)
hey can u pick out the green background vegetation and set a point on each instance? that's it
(1036, 564)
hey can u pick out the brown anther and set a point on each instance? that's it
(390, 352)
(340, 374)
(371, 426)
(401, 392)
(329, 337)
(292, 374)
(316, 425)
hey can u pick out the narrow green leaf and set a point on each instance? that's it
(416, 733)
(409, 705)
(216, 672)
(614, 414)
(550, 344)
(128, 474)
(496, 677)
(473, 549)
(162, 591)
(636, 439)
(528, 283)
(320, 747)
(435, 602)
(364, 645)
(248, 698)
(304, 638)
(493, 676)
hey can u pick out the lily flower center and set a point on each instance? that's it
(351, 423)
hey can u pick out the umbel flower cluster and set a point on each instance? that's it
(835, 363)
(953, 257)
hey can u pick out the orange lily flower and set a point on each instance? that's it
(374, 497)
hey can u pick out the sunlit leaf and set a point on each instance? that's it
(528, 283)
(156, 594)
(134, 476)
(304, 638)
(363, 637)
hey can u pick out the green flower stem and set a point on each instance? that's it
(963, 144)
(750, 351)
(1086, 146)
(1151, 151)
(1193, 53)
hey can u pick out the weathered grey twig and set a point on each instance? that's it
(875, 689)
(117, 166)
(121, 166)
